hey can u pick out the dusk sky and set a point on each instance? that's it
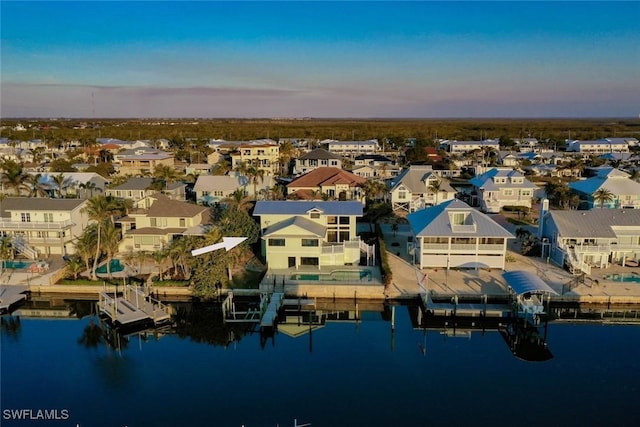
(316, 59)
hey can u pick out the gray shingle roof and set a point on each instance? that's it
(413, 178)
(220, 183)
(40, 204)
(486, 180)
(436, 222)
(295, 207)
(135, 183)
(320, 154)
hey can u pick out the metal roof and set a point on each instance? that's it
(594, 223)
(436, 222)
(525, 281)
(295, 207)
(305, 224)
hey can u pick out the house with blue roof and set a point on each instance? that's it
(625, 191)
(312, 234)
(500, 187)
(455, 235)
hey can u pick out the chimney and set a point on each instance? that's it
(544, 208)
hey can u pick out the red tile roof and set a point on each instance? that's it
(327, 176)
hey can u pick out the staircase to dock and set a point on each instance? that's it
(133, 307)
(22, 247)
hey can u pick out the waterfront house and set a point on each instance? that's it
(210, 189)
(455, 235)
(311, 234)
(157, 220)
(595, 238)
(39, 227)
(328, 182)
(625, 192)
(418, 187)
(500, 187)
(316, 159)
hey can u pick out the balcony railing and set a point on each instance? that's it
(35, 225)
(591, 248)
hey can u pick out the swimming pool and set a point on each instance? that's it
(624, 277)
(115, 266)
(17, 265)
(334, 276)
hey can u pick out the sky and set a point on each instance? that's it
(357, 59)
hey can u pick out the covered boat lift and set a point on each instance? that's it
(530, 292)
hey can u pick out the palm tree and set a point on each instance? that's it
(158, 258)
(373, 189)
(166, 174)
(603, 196)
(86, 245)
(90, 186)
(13, 176)
(98, 208)
(434, 187)
(287, 151)
(255, 174)
(74, 266)
(110, 243)
(238, 201)
(36, 187)
(62, 183)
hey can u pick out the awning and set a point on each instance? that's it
(525, 281)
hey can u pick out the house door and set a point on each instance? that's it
(292, 261)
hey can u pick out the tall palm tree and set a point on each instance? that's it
(62, 183)
(98, 208)
(238, 200)
(110, 243)
(166, 174)
(159, 258)
(603, 196)
(36, 187)
(255, 175)
(286, 153)
(73, 266)
(86, 245)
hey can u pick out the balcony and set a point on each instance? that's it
(35, 225)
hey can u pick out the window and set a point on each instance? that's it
(309, 261)
(25, 217)
(182, 222)
(457, 218)
(402, 195)
(276, 242)
(525, 192)
(315, 215)
(332, 220)
(344, 220)
(48, 217)
(507, 192)
(154, 222)
(309, 242)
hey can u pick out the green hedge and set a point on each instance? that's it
(385, 270)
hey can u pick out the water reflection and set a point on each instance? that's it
(10, 327)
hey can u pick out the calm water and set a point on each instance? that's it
(343, 374)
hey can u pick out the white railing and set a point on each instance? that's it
(19, 225)
(592, 248)
(21, 246)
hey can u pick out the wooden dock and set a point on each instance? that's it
(271, 314)
(465, 309)
(264, 313)
(133, 307)
(11, 297)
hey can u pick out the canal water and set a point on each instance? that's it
(347, 372)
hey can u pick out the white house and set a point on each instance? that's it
(418, 187)
(455, 235)
(501, 187)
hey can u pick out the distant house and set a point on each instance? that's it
(197, 169)
(141, 161)
(260, 154)
(596, 238)
(418, 187)
(500, 187)
(39, 227)
(625, 191)
(137, 188)
(375, 166)
(599, 146)
(330, 182)
(157, 220)
(352, 148)
(75, 184)
(312, 234)
(459, 147)
(210, 189)
(455, 235)
(316, 159)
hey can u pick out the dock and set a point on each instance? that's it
(133, 307)
(264, 313)
(11, 297)
(454, 307)
(271, 314)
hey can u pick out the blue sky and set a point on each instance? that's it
(320, 59)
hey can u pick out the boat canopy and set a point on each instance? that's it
(525, 281)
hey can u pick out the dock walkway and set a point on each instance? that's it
(11, 296)
(132, 307)
(271, 314)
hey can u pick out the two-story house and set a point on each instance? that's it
(455, 235)
(211, 189)
(352, 148)
(311, 234)
(317, 158)
(40, 227)
(328, 182)
(157, 220)
(418, 187)
(595, 238)
(499, 187)
(375, 166)
(461, 147)
(264, 156)
(141, 161)
(625, 192)
(137, 188)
